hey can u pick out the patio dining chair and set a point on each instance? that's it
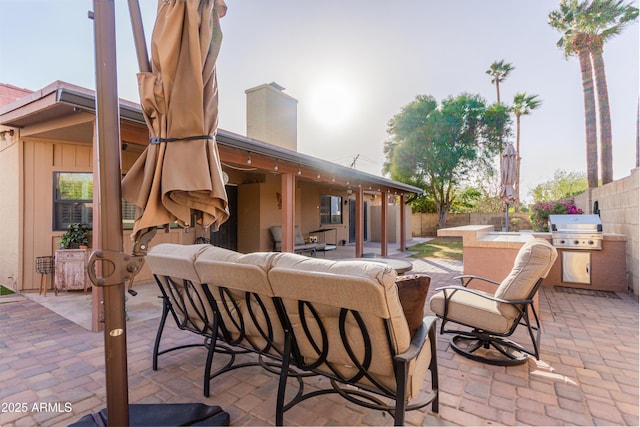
(494, 317)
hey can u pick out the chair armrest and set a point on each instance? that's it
(418, 339)
(483, 295)
(466, 279)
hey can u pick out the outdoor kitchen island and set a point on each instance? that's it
(491, 254)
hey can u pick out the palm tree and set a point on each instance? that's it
(603, 20)
(523, 105)
(568, 19)
(499, 71)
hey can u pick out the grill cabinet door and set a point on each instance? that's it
(576, 267)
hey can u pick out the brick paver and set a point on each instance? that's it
(587, 375)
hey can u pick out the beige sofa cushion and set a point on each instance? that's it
(240, 274)
(170, 259)
(177, 263)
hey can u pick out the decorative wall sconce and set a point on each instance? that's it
(249, 159)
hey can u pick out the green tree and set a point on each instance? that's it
(563, 184)
(499, 71)
(568, 19)
(523, 105)
(603, 20)
(436, 147)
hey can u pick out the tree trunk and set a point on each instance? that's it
(442, 216)
(498, 90)
(586, 70)
(517, 202)
(606, 148)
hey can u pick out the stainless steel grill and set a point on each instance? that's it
(576, 231)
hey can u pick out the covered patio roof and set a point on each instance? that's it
(61, 100)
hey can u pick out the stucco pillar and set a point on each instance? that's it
(359, 222)
(288, 188)
(403, 225)
(384, 207)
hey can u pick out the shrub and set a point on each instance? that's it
(541, 210)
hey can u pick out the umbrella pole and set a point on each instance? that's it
(506, 218)
(138, 36)
(109, 200)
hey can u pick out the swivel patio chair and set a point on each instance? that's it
(494, 317)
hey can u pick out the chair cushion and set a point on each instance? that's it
(276, 233)
(472, 310)
(534, 260)
(299, 238)
(412, 291)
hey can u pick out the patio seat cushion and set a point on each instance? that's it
(470, 309)
(412, 291)
(177, 263)
(329, 286)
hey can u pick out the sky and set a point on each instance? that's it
(353, 65)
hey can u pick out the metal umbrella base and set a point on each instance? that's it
(170, 414)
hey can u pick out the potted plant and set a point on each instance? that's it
(75, 237)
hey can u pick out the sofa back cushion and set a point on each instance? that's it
(533, 262)
(244, 298)
(173, 266)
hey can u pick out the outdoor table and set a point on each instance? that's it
(399, 265)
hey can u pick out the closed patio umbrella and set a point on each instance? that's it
(508, 178)
(178, 177)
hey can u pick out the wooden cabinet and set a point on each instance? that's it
(71, 269)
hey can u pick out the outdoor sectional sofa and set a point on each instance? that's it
(301, 317)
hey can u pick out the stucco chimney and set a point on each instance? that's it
(272, 116)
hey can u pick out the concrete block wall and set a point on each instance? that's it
(618, 202)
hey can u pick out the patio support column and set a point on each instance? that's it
(403, 224)
(359, 222)
(384, 207)
(288, 188)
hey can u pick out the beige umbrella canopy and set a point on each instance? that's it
(178, 176)
(508, 178)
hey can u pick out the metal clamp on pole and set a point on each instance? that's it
(143, 237)
(122, 267)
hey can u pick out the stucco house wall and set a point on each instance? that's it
(10, 210)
